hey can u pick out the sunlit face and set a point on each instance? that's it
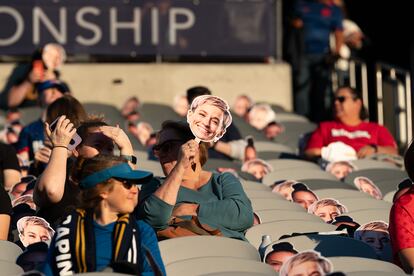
(241, 105)
(378, 240)
(257, 170)
(277, 259)
(327, 213)
(304, 198)
(340, 171)
(52, 57)
(349, 107)
(259, 119)
(34, 233)
(368, 188)
(285, 191)
(123, 198)
(206, 121)
(307, 269)
(96, 142)
(144, 134)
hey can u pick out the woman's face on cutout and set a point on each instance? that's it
(206, 121)
(304, 198)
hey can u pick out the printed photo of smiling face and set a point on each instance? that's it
(209, 117)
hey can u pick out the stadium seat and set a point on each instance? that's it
(293, 132)
(267, 216)
(354, 264)
(270, 155)
(296, 174)
(331, 245)
(378, 175)
(9, 251)
(212, 164)
(260, 204)
(10, 268)
(216, 264)
(254, 186)
(340, 193)
(290, 117)
(101, 273)
(389, 196)
(152, 166)
(178, 249)
(364, 164)
(318, 184)
(277, 229)
(245, 129)
(30, 114)
(264, 194)
(375, 273)
(156, 114)
(365, 216)
(354, 204)
(287, 164)
(271, 146)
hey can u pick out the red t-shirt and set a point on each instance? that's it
(364, 134)
(401, 225)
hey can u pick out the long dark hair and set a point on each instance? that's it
(356, 95)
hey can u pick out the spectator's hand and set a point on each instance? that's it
(63, 132)
(43, 155)
(119, 137)
(366, 151)
(187, 153)
(185, 209)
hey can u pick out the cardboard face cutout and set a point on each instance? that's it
(208, 117)
(34, 229)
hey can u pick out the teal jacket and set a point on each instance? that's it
(223, 204)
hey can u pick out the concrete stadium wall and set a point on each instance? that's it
(114, 82)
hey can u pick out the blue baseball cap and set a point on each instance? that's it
(60, 86)
(122, 171)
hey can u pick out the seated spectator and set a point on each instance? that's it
(327, 209)
(5, 213)
(9, 167)
(180, 105)
(277, 254)
(366, 138)
(303, 196)
(365, 185)
(33, 229)
(242, 105)
(403, 187)
(306, 263)
(257, 167)
(102, 232)
(187, 193)
(401, 226)
(375, 234)
(284, 188)
(340, 169)
(346, 222)
(261, 115)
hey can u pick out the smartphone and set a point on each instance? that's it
(39, 68)
(74, 142)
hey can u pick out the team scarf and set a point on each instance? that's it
(75, 249)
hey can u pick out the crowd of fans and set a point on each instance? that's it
(82, 198)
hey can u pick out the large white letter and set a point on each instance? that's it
(19, 26)
(88, 25)
(174, 25)
(39, 15)
(155, 36)
(135, 25)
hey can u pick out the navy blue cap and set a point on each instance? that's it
(122, 171)
(60, 86)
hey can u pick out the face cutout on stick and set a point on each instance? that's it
(34, 229)
(208, 117)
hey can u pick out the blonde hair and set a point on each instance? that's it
(270, 115)
(327, 202)
(377, 226)
(357, 183)
(286, 184)
(33, 220)
(268, 168)
(330, 165)
(306, 256)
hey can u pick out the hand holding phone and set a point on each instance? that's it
(67, 128)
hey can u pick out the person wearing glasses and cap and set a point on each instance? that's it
(102, 232)
(350, 127)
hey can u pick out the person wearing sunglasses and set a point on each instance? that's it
(350, 127)
(102, 232)
(217, 200)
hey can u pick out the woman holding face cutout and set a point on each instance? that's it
(217, 200)
(209, 118)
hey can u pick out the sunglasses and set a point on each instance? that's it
(166, 147)
(342, 99)
(126, 183)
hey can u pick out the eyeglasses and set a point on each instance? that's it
(166, 147)
(342, 99)
(126, 183)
